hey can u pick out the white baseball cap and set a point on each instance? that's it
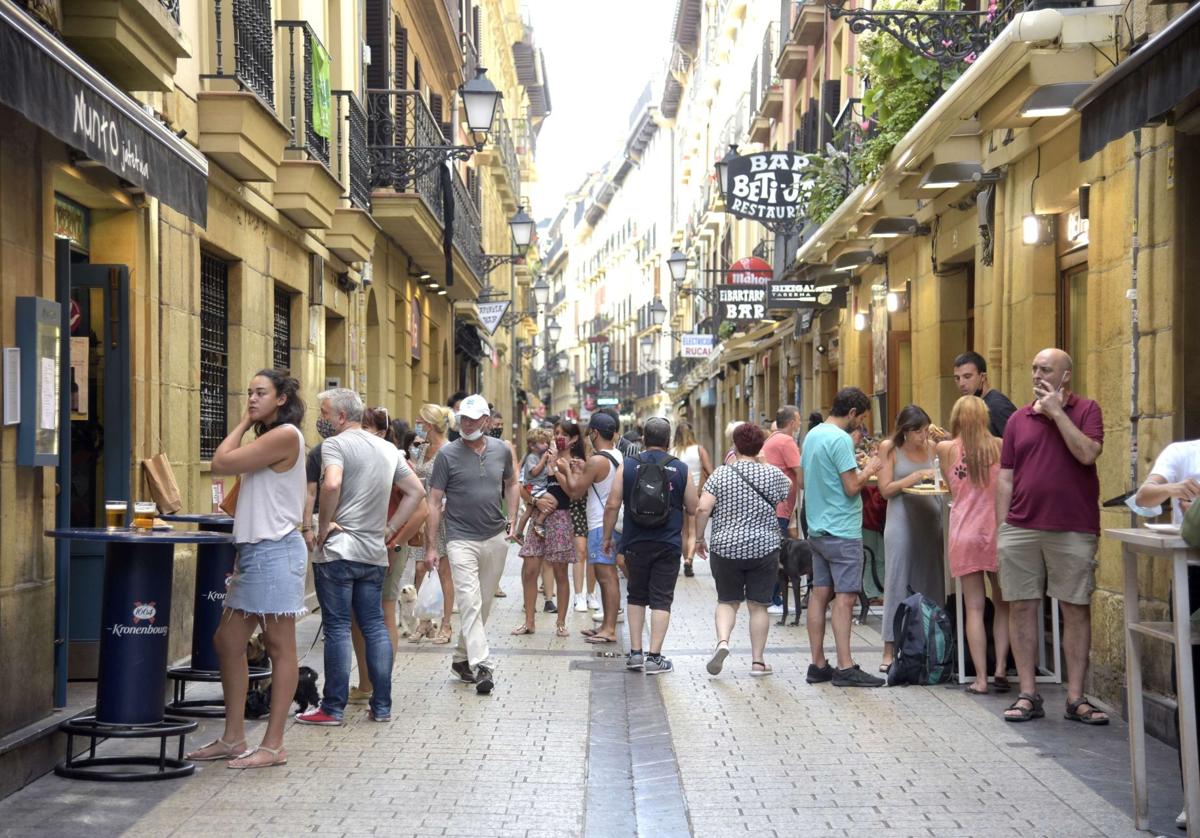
(474, 407)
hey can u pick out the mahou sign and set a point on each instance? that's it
(766, 186)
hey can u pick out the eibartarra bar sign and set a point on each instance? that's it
(766, 186)
(741, 303)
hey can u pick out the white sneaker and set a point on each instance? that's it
(774, 609)
(581, 604)
(621, 616)
(1181, 820)
(597, 616)
(593, 603)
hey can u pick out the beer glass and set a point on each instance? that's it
(143, 514)
(114, 514)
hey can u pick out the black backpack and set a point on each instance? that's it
(924, 643)
(649, 504)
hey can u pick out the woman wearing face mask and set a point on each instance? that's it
(433, 424)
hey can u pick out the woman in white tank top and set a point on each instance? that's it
(695, 457)
(267, 586)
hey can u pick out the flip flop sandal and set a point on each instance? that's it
(590, 632)
(1088, 717)
(231, 751)
(717, 661)
(275, 760)
(760, 673)
(1024, 714)
(521, 629)
(597, 639)
(561, 631)
(442, 638)
(970, 688)
(884, 667)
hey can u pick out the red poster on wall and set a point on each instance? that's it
(414, 328)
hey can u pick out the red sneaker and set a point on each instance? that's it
(318, 717)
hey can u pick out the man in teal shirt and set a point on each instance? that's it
(832, 483)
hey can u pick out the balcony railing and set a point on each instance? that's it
(764, 250)
(680, 366)
(766, 64)
(646, 384)
(172, 7)
(247, 24)
(306, 112)
(508, 153)
(353, 165)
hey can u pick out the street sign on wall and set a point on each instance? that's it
(490, 314)
(766, 186)
(800, 295)
(741, 303)
(695, 346)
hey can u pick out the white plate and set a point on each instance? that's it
(1168, 529)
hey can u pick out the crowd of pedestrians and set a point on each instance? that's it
(589, 505)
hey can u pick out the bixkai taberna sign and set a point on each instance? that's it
(766, 186)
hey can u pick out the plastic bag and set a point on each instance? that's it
(429, 598)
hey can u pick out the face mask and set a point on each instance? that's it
(326, 429)
(562, 443)
(496, 432)
(414, 452)
(474, 435)
(420, 429)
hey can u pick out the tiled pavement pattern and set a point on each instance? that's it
(569, 744)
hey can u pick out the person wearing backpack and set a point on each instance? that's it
(656, 493)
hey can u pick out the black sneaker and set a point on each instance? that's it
(688, 570)
(484, 680)
(819, 674)
(550, 607)
(464, 672)
(855, 677)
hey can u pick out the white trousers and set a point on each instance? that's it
(476, 567)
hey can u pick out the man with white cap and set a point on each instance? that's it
(473, 474)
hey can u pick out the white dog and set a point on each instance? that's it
(408, 603)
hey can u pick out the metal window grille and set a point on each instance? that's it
(214, 353)
(281, 354)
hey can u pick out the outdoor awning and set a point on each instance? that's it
(1163, 73)
(467, 342)
(57, 90)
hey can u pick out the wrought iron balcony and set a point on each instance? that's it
(680, 367)
(646, 384)
(766, 63)
(302, 104)
(172, 7)
(353, 166)
(468, 231)
(247, 24)
(764, 250)
(949, 37)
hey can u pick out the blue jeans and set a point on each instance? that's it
(342, 585)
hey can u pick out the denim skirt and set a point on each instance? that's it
(268, 577)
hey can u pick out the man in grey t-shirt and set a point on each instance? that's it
(473, 474)
(351, 561)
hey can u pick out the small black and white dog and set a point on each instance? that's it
(258, 697)
(795, 560)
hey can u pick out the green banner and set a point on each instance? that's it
(320, 83)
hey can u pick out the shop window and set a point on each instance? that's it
(1072, 320)
(214, 353)
(281, 344)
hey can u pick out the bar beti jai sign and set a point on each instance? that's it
(766, 186)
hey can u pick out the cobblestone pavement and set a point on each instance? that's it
(570, 744)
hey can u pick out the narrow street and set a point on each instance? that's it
(570, 744)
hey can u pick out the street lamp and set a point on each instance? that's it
(480, 99)
(553, 331)
(521, 226)
(613, 379)
(722, 167)
(658, 312)
(677, 265)
(541, 291)
(647, 349)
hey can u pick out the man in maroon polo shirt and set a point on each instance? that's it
(1048, 513)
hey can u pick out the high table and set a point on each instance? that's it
(1180, 633)
(1048, 672)
(135, 614)
(214, 566)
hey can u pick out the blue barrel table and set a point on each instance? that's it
(131, 681)
(214, 566)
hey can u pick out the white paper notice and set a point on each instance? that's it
(49, 402)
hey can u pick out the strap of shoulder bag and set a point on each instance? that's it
(746, 480)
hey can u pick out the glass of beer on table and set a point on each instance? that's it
(114, 514)
(143, 515)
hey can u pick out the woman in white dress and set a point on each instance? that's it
(695, 457)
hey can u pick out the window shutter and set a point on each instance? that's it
(477, 30)
(435, 108)
(401, 82)
(831, 99)
(377, 38)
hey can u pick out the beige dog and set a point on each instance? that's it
(408, 602)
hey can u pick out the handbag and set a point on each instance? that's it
(229, 504)
(161, 480)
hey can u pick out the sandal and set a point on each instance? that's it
(1089, 716)
(231, 751)
(885, 667)
(717, 661)
(760, 673)
(275, 759)
(599, 638)
(1035, 710)
(443, 636)
(970, 688)
(521, 629)
(590, 632)
(561, 631)
(1000, 684)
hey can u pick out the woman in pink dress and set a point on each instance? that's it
(970, 462)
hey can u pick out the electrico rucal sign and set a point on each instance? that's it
(766, 186)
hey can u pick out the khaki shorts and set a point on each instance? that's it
(1037, 563)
